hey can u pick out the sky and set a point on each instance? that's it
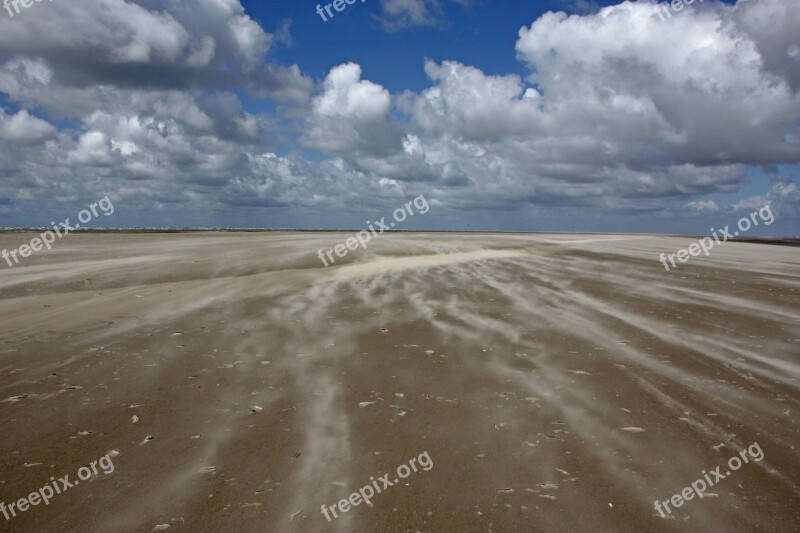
(506, 115)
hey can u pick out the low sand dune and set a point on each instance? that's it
(557, 382)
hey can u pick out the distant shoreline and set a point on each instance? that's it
(780, 241)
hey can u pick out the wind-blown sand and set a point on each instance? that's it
(515, 361)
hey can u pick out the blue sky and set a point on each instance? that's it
(482, 35)
(594, 117)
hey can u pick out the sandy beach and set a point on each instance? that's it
(557, 382)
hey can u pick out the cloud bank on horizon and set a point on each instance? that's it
(188, 114)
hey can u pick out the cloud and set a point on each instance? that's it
(466, 103)
(783, 198)
(398, 14)
(148, 46)
(119, 41)
(402, 14)
(23, 128)
(772, 26)
(284, 33)
(617, 112)
(703, 206)
(620, 112)
(351, 116)
(694, 89)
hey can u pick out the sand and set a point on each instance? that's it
(557, 382)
